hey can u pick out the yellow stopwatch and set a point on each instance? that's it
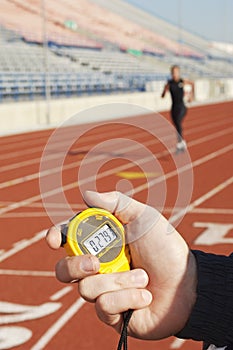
(98, 232)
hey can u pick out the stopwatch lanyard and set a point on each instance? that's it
(124, 333)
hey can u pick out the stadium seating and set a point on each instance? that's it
(90, 48)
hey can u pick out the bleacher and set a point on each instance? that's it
(93, 49)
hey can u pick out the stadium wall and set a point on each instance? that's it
(25, 116)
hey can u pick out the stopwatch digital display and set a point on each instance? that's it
(98, 232)
(100, 240)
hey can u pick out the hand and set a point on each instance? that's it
(161, 287)
(190, 99)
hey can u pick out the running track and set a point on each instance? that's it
(45, 314)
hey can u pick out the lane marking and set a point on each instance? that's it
(58, 325)
(57, 154)
(41, 214)
(186, 167)
(26, 243)
(46, 133)
(200, 200)
(12, 336)
(72, 185)
(64, 213)
(47, 172)
(189, 123)
(61, 293)
(131, 175)
(220, 211)
(49, 205)
(27, 273)
(177, 343)
(60, 143)
(64, 167)
(214, 233)
(12, 312)
(23, 244)
(213, 211)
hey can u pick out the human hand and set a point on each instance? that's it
(161, 285)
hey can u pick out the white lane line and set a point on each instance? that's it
(47, 172)
(26, 243)
(57, 155)
(182, 169)
(57, 214)
(55, 191)
(27, 273)
(58, 325)
(49, 205)
(61, 293)
(63, 136)
(177, 343)
(213, 211)
(224, 211)
(209, 137)
(50, 157)
(150, 183)
(65, 214)
(202, 199)
(40, 235)
(60, 143)
(53, 156)
(45, 133)
(22, 245)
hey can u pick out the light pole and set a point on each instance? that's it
(46, 61)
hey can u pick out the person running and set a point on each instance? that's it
(178, 110)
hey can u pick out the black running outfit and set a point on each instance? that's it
(179, 109)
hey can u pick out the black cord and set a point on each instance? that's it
(124, 333)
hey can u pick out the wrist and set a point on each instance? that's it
(189, 291)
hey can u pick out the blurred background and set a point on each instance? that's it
(102, 60)
(58, 57)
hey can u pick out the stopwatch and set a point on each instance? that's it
(97, 232)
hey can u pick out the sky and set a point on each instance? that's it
(212, 19)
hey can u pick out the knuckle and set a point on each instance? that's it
(134, 297)
(58, 270)
(123, 280)
(71, 267)
(105, 303)
(87, 289)
(83, 288)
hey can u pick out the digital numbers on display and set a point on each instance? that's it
(100, 240)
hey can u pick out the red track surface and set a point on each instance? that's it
(208, 131)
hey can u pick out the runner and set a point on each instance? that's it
(178, 110)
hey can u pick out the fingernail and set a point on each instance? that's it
(140, 277)
(89, 264)
(146, 296)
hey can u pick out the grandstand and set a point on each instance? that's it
(94, 47)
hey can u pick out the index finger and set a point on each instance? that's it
(74, 267)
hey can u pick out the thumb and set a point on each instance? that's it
(139, 217)
(123, 207)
